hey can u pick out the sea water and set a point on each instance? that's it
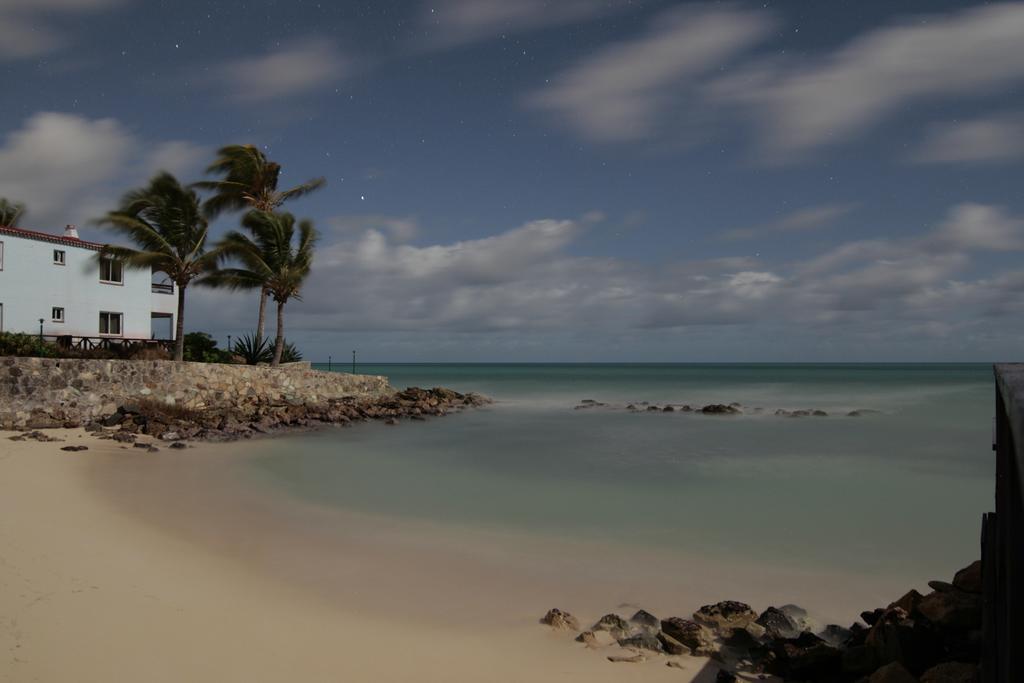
(897, 492)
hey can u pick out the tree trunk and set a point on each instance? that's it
(261, 320)
(279, 340)
(179, 326)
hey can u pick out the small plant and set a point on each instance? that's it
(290, 353)
(21, 344)
(254, 350)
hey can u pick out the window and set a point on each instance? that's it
(58, 314)
(58, 257)
(110, 323)
(112, 271)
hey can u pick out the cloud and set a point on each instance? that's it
(997, 138)
(802, 220)
(26, 28)
(527, 280)
(621, 92)
(450, 23)
(69, 169)
(981, 227)
(294, 69)
(398, 228)
(800, 106)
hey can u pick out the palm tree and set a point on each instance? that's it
(10, 212)
(276, 260)
(166, 221)
(249, 181)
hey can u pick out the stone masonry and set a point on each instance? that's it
(50, 392)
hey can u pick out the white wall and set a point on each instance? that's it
(31, 285)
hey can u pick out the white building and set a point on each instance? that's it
(58, 280)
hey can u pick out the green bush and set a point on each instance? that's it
(200, 347)
(21, 344)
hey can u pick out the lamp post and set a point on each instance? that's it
(329, 364)
(40, 329)
(229, 343)
(353, 362)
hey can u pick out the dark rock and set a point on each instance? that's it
(819, 413)
(177, 445)
(777, 624)
(611, 622)
(653, 408)
(798, 615)
(894, 672)
(643, 641)
(806, 658)
(689, 633)
(560, 620)
(896, 638)
(953, 609)
(724, 676)
(152, 449)
(587, 638)
(969, 578)
(719, 409)
(112, 420)
(668, 409)
(835, 635)
(952, 672)
(671, 645)
(908, 603)
(645, 619)
(74, 449)
(123, 437)
(94, 427)
(941, 586)
(723, 617)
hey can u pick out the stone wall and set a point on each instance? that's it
(48, 392)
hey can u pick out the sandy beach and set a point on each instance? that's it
(91, 593)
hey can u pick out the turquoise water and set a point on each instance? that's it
(896, 493)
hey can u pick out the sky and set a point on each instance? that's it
(566, 180)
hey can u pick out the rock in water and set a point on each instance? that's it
(588, 639)
(671, 645)
(689, 633)
(560, 621)
(835, 635)
(777, 624)
(723, 617)
(798, 615)
(646, 620)
(643, 641)
(611, 622)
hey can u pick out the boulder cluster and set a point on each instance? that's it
(933, 638)
(173, 424)
(715, 409)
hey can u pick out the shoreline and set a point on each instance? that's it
(121, 598)
(479, 590)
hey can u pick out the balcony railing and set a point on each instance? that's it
(161, 288)
(67, 341)
(1002, 538)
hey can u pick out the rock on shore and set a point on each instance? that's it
(170, 424)
(933, 638)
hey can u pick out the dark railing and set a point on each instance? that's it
(66, 341)
(1002, 538)
(161, 288)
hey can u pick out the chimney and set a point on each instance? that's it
(71, 232)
